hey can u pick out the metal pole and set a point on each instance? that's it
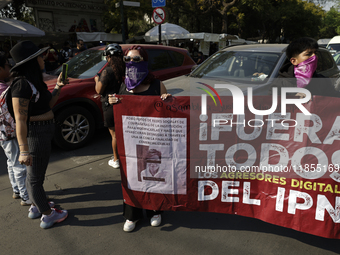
(122, 21)
(159, 33)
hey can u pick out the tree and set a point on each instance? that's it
(330, 24)
(277, 20)
(221, 7)
(137, 19)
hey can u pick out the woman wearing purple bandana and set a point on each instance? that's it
(301, 71)
(139, 81)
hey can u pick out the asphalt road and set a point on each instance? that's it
(82, 182)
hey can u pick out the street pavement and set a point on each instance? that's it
(81, 182)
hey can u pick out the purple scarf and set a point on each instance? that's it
(135, 73)
(304, 71)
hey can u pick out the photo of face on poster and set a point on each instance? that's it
(154, 174)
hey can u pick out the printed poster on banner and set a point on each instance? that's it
(195, 154)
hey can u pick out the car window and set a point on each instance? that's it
(325, 61)
(334, 46)
(84, 65)
(337, 58)
(177, 57)
(160, 59)
(245, 66)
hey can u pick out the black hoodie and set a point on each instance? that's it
(318, 86)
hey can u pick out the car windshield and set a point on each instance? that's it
(240, 66)
(85, 65)
(334, 46)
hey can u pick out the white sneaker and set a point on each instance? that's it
(114, 164)
(156, 220)
(129, 225)
(25, 202)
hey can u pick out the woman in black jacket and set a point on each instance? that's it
(34, 125)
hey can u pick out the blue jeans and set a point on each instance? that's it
(16, 171)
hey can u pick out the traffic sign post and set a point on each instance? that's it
(158, 15)
(158, 3)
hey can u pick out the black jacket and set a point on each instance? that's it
(318, 86)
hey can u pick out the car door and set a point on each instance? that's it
(326, 64)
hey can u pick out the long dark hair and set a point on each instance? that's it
(3, 59)
(118, 67)
(31, 71)
(148, 79)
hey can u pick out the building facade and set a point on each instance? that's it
(68, 15)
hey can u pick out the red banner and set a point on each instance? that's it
(282, 169)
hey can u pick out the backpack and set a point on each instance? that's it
(7, 123)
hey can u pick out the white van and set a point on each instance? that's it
(334, 44)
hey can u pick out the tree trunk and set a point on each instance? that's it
(224, 29)
(223, 12)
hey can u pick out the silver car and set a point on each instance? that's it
(245, 66)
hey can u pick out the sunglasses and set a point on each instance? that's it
(136, 59)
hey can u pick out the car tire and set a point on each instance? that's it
(75, 127)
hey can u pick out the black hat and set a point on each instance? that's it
(113, 49)
(25, 51)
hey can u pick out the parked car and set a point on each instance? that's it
(336, 57)
(334, 44)
(240, 65)
(324, 42)
(78, 111)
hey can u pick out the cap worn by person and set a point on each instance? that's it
(113, 49)
(24, 51)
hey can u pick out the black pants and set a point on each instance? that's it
(39, 143)
(133, 213)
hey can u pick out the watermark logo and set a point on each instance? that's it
(238, 100)
(204, 116)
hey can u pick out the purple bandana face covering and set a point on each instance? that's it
(135, 73)
(304, 71)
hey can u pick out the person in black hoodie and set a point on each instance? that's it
(301, 71)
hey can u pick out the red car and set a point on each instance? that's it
(78, 111)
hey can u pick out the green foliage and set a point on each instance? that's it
(272, 20)
(137, 19)
(330, 23)
(279, 20)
